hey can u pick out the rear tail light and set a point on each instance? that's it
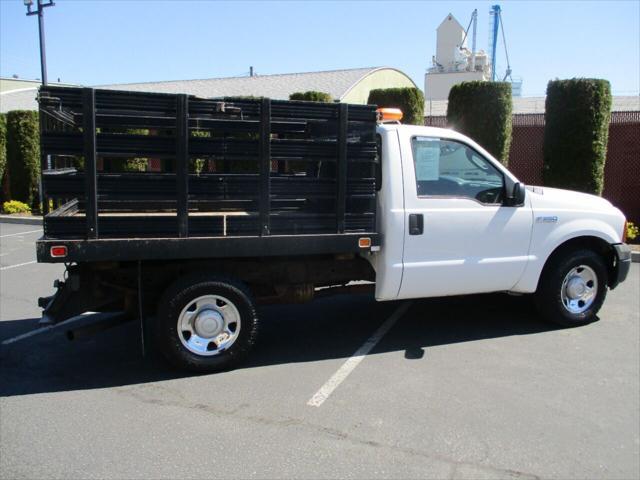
(624, 232)
(58, 251)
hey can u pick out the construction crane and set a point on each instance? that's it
(497, 23)
(473, 22)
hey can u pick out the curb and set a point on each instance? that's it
(635, 257)
(21, 220)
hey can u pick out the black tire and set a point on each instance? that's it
(548, 297)
(176, 298)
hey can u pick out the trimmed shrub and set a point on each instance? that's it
(482, 111)
(15, 206)
(576, 131)
(23, 155)
(410, 100)
(312, 96)
(632, 231)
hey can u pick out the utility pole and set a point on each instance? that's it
(40, 13)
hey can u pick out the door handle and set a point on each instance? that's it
(416, 224)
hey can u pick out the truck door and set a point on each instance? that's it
(459, 237)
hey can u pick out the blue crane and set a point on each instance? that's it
(496, 14)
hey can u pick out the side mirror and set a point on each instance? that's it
(517, 196)
(515, 193)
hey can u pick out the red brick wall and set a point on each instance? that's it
(622, 169)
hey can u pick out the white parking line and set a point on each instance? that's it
(9, 267)
(347, 367)
(20, 233)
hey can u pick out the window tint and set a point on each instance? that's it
(448, 168)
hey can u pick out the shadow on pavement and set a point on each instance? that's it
(329, 328)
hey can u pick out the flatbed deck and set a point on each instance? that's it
(142, 249)
(211, 177)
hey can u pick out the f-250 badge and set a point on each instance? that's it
(546, 219)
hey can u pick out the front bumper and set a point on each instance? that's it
(623, 264)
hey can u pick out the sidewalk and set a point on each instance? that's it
(22, 219)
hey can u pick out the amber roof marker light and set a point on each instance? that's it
(389, 115)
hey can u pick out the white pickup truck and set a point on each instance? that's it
(447, 219)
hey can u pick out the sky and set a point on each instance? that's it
(97, 42)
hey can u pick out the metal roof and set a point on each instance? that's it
(334, 82)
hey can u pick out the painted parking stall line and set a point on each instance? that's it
(20, 233)
(9, 267)
(349, 366)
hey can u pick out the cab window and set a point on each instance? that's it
(446, 168)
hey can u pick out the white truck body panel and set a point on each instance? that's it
(577, 215)
(468, 246)
(391, 220)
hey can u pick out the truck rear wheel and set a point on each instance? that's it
(206, 324)
(572, 288)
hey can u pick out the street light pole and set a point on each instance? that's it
(40, 13)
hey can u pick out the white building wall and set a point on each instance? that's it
(450, 36)
(438, 85)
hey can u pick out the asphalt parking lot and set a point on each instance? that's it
(473, 387)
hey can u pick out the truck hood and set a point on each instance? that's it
(545, 197)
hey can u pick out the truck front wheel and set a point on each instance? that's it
(206, 324)
(572, 288)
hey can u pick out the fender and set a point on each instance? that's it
(547, 237)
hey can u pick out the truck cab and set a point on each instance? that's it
(457, 222)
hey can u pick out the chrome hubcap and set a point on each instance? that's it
(579, 289)
(208, 325)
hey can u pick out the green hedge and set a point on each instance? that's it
(3, 146)
(23, 156)
(482, 111)
(576, 131)
(410, 100)
(312, 96)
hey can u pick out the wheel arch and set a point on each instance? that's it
(585, 242)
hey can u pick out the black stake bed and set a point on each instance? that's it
(135, 176)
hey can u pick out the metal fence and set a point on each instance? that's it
(622, 167)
